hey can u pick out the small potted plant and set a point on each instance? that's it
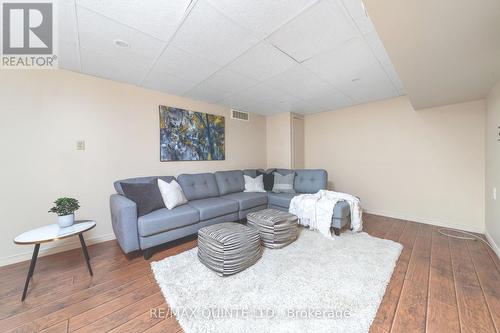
(65, 209)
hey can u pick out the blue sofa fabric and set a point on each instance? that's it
(247, 200)
(163, 220)
(214, 207)
(212, 198)
(230, 181)
(198, 186)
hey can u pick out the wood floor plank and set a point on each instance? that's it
(387, 308)
(140, 323)
(489, 278)
(86, 318)
(412, 307)
(61, 327)
(38, 312)
(123, 315)
(472, 309)
(442, 309)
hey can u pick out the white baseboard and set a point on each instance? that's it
(494, 245)
(426, 221)
(54, 247)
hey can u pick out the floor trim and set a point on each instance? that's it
(54, 247)
(494, 245)
(426, 221)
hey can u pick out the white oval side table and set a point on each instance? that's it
(51, 233)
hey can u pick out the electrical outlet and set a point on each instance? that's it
(80, 145)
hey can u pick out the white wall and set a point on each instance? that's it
(279, 140)
(493, 167)
(44, 113)
(426, 166)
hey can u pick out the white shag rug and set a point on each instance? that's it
(315, 284)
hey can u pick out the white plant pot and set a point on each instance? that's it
(66, 220)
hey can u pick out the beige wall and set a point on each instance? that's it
(279, 143)
(44, 113)
(425, 165)
(493, 166)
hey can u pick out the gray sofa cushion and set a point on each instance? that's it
(253, 172)
(248, 200)
(310, 180)
(198, 186)
(163, 220)
(280, 199)
(138, 180)
(340, 210)
(230, 181)
(214, 207)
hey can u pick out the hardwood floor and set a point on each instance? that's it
(439, 285)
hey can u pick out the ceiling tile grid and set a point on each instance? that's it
(285, 55)
(100, 55)
(157, 18)
(208, 32)
(318, 29)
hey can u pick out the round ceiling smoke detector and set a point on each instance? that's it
(121, 43)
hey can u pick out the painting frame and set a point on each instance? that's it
(187, 135)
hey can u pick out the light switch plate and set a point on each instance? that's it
(494, 193)
(80, 145)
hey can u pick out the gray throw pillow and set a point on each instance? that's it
(147, 196)
(283, 184)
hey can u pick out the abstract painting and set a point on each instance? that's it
(191, 136)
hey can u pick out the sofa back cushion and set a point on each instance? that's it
(139, 180)
(198, 185)
(310, 180)
(254, 172)
(230, 181)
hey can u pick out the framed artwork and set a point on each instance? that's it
(191, 136)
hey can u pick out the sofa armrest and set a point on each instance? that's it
(124, 221)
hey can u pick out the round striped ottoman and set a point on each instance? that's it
(228, 248)
(277, 228)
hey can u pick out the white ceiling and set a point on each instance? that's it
(446, 51)
(259, 56)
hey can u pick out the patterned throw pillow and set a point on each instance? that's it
(283, 184)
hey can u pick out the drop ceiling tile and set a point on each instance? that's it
(67, 50)
(157, 18)
(357, 11)
(228, 81)
(101, 57)
(346, 62)
(301, 83)
(166, 82)
(380, 53)
(214, 36)
(322, 27)
(184, 65)
(207, 94)
(68, 56)
(372, 85)
(263, 94)
(261, 62)
(261, 17)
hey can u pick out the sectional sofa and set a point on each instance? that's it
(212, 198)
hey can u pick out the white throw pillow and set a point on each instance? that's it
(171, 193)
(254, 184)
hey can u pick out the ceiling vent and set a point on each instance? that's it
(240, 115)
